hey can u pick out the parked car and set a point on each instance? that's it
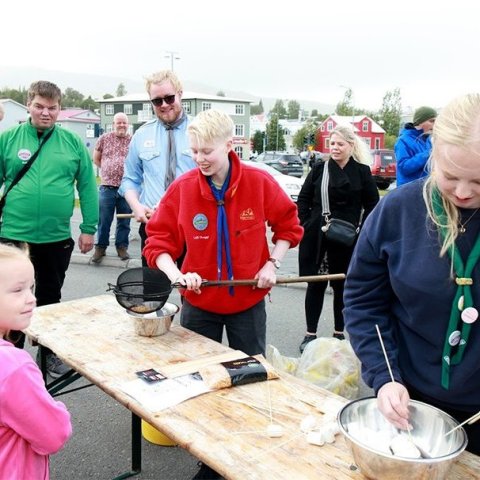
(289, 184)
(384, 168)
(286, 163)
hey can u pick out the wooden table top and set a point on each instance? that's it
(96, 337)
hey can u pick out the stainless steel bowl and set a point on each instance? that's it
(155, 323)
(368, 434)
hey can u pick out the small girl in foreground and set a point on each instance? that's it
(32, 424)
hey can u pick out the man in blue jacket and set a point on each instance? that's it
(413, 146)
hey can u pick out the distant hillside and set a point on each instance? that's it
(97, 86)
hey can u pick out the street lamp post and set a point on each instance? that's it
(173, 56)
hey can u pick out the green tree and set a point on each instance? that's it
(72, 98)
(346, 107)
(257, 141)
(391, 112)
(257, 109)
(293, 109)
(19, 95)
(90, 104)
(107, 96)
(121, 90)
(390, 141)
(275, 136)
(305, 134)
(314, 113)
(221, 93)
(279, 109)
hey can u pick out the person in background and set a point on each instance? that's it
(39, 207)
(411, 275)
(32, 424)
(218, 214)
(351, 191)
(413, 146)
(159, 151)
(109, 154)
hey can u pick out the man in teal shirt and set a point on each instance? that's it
(39, 207)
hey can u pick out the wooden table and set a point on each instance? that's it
(96, 337)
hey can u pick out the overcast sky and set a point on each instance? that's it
(298, 49)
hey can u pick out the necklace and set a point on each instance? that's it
(461, 227)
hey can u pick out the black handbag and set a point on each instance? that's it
(335, 229)
(340, 231)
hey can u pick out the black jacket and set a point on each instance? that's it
(350, 190)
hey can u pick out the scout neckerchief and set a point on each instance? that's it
(223, 238)
(462, 314)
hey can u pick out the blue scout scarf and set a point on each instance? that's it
(223, 238)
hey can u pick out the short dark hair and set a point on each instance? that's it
(44, 89)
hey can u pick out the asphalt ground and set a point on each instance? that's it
(100, 446)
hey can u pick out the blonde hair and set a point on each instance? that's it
(210, 126)
(360, 152)
(458, 124)
(163, 76)
(8, 251)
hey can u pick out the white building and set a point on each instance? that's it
(15, 113)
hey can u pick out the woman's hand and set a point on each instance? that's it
(392, 400)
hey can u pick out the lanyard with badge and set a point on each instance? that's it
(463, 313)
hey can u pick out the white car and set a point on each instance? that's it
(290, 185)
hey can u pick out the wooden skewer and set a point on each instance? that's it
(385, 353)
(390, 371)
(130, 215)
(470, 420)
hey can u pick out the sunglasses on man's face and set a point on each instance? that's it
(168, 99)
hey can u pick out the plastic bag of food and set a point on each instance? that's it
(326, 362)
(237, 372)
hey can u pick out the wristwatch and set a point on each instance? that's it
(275, 262)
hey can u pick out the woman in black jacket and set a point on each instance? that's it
(351, 192)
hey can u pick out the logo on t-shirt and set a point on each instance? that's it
(24, 155)
(200, 222)
(247, 214)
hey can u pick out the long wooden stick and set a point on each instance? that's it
(470, 420)
(280, 280)
(130, 215)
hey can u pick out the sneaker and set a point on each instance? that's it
(339, 335)
(122, 253)
(306, 340)
(55, 367)
(98, 254)
(206, 473)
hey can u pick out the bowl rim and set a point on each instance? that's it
(449, 456)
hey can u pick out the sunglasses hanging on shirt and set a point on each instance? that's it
(168, 99)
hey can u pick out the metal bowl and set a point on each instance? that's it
(368, 434)
(155, 323)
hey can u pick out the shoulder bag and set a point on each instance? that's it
(24, 170)
(335, 229)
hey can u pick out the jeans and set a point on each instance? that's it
(110, 201)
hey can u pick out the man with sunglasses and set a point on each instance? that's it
(159, 150)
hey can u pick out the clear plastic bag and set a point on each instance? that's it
(326, 362)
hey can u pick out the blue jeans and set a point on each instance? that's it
(110, 201)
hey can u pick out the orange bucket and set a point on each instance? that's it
(153, 435)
